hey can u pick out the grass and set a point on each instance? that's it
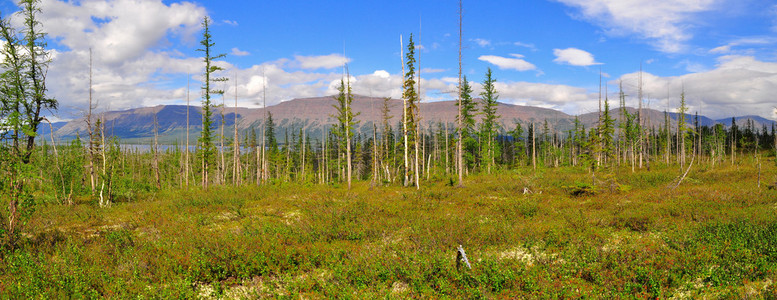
(715, 236)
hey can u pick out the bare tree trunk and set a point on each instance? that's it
(533, 146)
(417, 118)
(236, 143)
(599, 124)
(156, 153)
(186, 168)
(221, 176)
(374, 155)
(447, 150)
(404, 114)
(326, 157)
(348, 132)
(757, 160)
(640, 143)
(647, 140)
(459, 147)
(102, 151)
(56, 160)
(417, 170)
(304, 148)
(259, 154)
(265, 173)
(90, 129)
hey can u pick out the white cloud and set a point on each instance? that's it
(721, 50)
(482, 42)
(747, 41)
(120, 30)
(230, 22)
(665, 23)
(432, 70)
(381, 74)
(530, 46)
(514, 63)
(574, 57)
(322, 61)
(693, 67)
(238, 52)
(563, 97)
(739, 85)
(382, 84)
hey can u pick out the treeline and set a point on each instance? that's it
(63, 171)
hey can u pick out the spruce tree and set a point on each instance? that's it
(468, 111)
(346, 123)
(411, 96)
(518, 146)
(606, 131)
(207, 148)
(682, 129)
(489, 127)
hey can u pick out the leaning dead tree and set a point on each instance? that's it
(680, 180)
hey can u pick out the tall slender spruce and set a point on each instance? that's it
(489, 128)
(411, 97)
(207, 148)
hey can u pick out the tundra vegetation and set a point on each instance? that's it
(543, 214)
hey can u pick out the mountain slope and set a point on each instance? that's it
(315, 116)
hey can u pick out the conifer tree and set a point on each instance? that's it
(24, 67)
(489, 127)
(345, 125)
(467, 120)
(518, 146)
(606, 131)
(411, 97)
(207, 148)
(682, 129)
(459, 125)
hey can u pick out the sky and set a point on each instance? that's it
(721, 53)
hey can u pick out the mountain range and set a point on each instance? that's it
(314, 115)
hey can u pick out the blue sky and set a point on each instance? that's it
(543, 53)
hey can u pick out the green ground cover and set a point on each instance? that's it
(715, 236)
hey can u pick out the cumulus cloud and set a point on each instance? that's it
(322, 61)
(132, 60)
(119, 30)
(739, 85)
(574, 57)
(562, 97)
(238, 52)
(515, 62)
(665, 23)
(381, 83)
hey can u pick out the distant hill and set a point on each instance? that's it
(315, 115)
(758, 122)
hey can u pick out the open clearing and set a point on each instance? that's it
(714, 236)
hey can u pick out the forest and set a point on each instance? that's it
(626, 208)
